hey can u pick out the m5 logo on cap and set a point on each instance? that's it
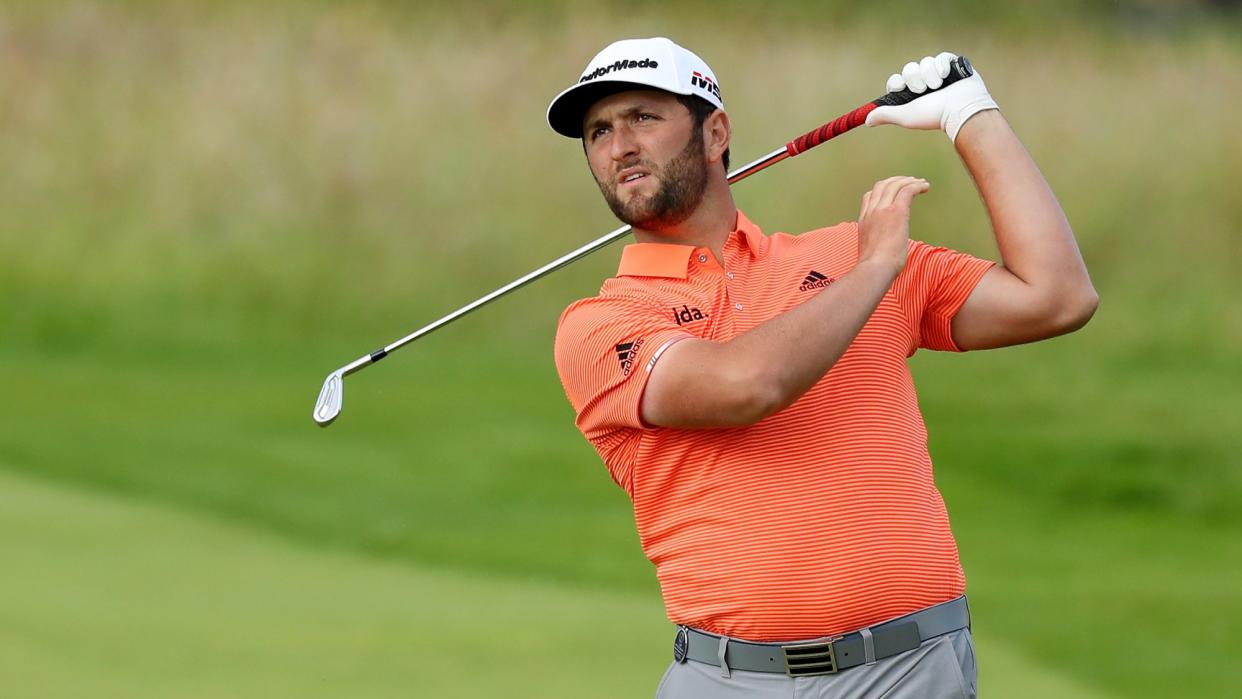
(703, 82)
(619, 65)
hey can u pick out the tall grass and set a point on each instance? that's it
(264, 169)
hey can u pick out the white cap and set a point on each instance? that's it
(633, 64)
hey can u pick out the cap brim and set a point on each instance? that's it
(569, 108)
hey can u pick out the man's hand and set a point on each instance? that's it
(945, 109)
(884, 221)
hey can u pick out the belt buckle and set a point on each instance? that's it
(681, 645)
(810, 659)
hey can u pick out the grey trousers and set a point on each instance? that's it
(940, 668)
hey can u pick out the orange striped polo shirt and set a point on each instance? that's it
(820, 519)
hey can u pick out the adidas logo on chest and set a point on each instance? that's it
(815, 280)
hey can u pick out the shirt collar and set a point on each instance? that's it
(673, 261)
(750, 235)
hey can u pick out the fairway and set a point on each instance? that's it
(113, 597)
(209, 544)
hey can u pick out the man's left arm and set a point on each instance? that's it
(1042, 289)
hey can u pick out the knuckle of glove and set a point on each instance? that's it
(943, 61)
(914, 78)
(931, 75)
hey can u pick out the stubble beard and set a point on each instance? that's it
(683, 180)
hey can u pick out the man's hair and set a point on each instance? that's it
(700, 109)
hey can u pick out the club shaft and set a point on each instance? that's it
(329, 404)
(765, 162)
(604, 241)
(514, 285)
(846, 122)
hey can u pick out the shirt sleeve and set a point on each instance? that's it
(933, 286)
(605, 351)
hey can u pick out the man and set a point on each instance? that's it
(751, 394)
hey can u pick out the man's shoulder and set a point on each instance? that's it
(836, 241)
(595, 332)
(618, 296)
(839, 233)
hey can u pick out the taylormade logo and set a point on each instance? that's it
(619, 65)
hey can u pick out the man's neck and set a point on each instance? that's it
(708, 227)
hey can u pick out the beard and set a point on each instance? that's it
(682, 180)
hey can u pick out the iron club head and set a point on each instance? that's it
(330, 398)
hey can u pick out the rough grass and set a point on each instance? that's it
(270, 167)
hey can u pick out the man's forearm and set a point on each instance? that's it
(795, 349)
(701, 383)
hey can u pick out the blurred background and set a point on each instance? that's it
(205, 207)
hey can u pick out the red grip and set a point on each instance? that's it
(832, 129)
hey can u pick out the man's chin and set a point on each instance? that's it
(643, 211)
(636, 212)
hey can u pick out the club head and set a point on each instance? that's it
(330, 398)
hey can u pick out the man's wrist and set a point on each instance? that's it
(882, 269)
(967, 122)
(978, 127)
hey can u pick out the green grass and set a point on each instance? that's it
(109, 597)
(206, 208)
(490, 479)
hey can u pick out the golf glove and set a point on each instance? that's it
(944, 109)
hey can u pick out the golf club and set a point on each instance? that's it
(331, 396)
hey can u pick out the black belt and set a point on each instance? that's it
(827, 655)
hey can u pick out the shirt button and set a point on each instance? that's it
(729, 275)
(702, 258)
(738, 306)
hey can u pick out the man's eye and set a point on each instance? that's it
(646, 117)
(598, 132)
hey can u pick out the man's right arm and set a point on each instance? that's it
(702, 383)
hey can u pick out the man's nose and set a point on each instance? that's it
(623, 144)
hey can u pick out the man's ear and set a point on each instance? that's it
(717, 132)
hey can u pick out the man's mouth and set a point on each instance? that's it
(629, 177)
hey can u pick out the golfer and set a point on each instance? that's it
(750, 392)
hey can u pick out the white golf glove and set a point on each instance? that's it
(944, 109)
